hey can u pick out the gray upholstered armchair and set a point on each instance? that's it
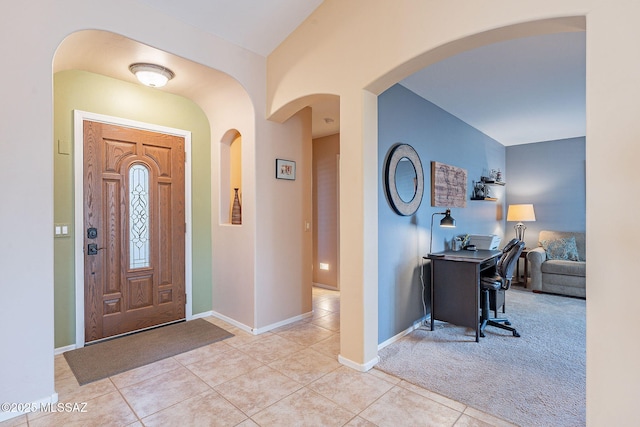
(558, 264)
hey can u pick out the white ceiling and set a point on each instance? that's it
(257, 25)
(520, 91)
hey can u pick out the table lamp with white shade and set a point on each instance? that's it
(520, 213)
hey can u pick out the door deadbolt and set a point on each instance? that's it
(92, 233)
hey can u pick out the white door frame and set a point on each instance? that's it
(78, 152)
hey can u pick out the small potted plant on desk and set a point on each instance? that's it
(460, 242)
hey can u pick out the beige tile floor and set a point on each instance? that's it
(287, 377)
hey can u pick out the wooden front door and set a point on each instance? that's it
(134, 225)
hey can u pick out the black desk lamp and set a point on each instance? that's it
(447, 221)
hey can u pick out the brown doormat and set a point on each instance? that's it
(108, 358)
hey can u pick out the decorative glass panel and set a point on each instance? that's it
(139, 217)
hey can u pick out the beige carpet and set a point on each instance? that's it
(107, 358)
(535, 380)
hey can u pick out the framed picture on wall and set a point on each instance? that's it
(448, 185)
(285, 169)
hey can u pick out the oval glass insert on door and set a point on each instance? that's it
(139, 253)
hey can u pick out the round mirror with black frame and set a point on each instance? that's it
(403, 179)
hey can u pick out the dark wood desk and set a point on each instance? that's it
(455, 286)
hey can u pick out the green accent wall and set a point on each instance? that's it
(80, 90)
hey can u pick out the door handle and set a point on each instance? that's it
(92, 249)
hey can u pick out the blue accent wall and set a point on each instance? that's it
(404, 117)
(551, 175)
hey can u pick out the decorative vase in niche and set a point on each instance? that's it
(236, 211)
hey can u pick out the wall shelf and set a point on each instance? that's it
(486, 199)
(481, 190)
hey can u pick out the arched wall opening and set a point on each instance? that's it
(207, 109)
(470, 42)
(397, 315)
(400, 283)
(325, 130)
(373, 68)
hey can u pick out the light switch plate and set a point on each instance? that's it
(61, 230)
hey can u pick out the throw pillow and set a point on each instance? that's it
(564, 248)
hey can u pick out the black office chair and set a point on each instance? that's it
(493, 287)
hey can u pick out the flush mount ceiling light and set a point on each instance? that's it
(151, 75)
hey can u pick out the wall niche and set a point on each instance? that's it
(231, 178)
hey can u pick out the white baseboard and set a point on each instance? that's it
(201, 315)
(61, 350)
(30, 407)
(232, 322)
(359, 366)
(285, 322)
(256, 331)
(229, 320)
(396, 337)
